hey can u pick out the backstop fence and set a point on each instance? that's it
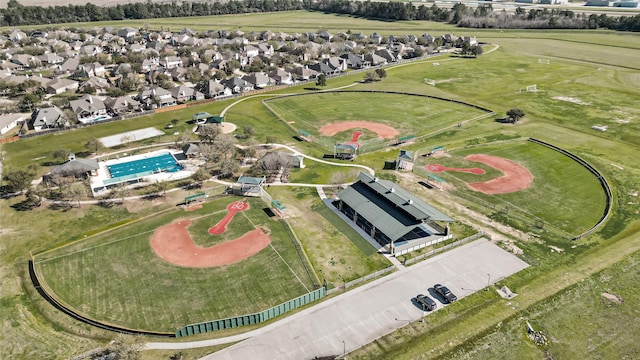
(251, 319)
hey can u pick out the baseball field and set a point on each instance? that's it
(147, 265)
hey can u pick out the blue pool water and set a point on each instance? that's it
(164, 162)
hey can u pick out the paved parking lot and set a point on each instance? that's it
(366, 313)
(361, 315)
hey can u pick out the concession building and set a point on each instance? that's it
(395, 218)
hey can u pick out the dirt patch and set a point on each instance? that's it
(193, 207)
(441, 168)
(612, 298)
(571, 100)
(515, 176)
(173, 244)
(227, 128)
(555, 249)
(382, 130)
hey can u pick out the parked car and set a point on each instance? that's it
(426, 302)
(446, 294)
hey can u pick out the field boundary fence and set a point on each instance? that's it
(251, 319)
(601, 179)
(446, 247)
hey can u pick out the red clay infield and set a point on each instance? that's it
(440, 168)
(515, 176)
(383, 131)
(233, 208)
(173, 244)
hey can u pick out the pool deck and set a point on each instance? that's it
(98, 182)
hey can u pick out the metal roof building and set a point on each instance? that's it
(389, 214)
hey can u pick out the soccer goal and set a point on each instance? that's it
(429, 81)
(543, 61)
(532, 88)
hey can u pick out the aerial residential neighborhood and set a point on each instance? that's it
(96, 66)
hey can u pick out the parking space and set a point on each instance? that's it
(375, 309)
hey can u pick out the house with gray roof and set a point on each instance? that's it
(89, 109)
(46, 118)
(391, 216)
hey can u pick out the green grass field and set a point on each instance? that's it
(409, 115)
(118, 279)
(563, 193)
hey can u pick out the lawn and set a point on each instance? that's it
(409, 115)
(336, 252)
(563, 194)
(579, 322)
(116, 277)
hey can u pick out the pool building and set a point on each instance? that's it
(139, 170)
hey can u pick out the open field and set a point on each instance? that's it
(409, 115)
(95, 276)
(585, 336)
(598, 68)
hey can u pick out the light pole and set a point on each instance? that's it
(344, 350)
(488, 281)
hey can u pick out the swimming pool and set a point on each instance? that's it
(163, 162)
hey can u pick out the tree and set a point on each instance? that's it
(371, 76)
(229, 166)
(321, 81)
(225, 145)
(93, 145)
(272, 139)
(175, 122)
(382, 73)
(208, 133)
(61, 155)
(200, 176)
(18, 180)
(248, 130)
(515, 114)
(209, 153)
(76, 191)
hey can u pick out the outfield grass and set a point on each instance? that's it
(563, 193)
(118, 279)
(410, 115)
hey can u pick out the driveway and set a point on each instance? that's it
(362, 315)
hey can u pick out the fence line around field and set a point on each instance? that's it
(446, 247)
(601, 179)
(251, 319)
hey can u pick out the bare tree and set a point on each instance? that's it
(76, 192)
(93, 145)
(229, 166)
(209, 153)
(225, 144)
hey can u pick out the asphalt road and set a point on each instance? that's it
(359, 316)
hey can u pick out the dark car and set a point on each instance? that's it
(446, 294)
(426, 302)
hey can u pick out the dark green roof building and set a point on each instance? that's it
(389, 214)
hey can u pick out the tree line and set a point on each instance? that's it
(16, 14)
(480, 17)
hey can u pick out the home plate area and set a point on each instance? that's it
(174, 244)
